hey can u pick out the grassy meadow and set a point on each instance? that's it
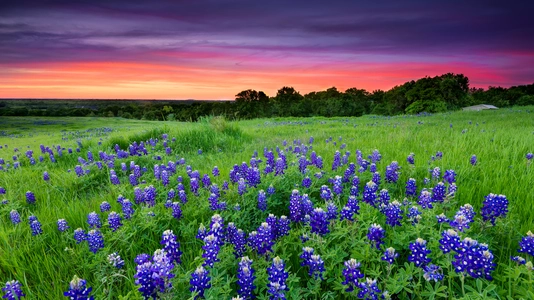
(45, 263)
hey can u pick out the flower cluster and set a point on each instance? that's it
(319, 222)
(376, 234)
(527, 244)
(154, 277)
(393, 213)
(494, 206)
(390, 255)
(352, 274)
(78, 289)
(13, 290)
(474, 259)
(171, 246)
(277, 279)
(419, 253)
(314, 263)
(115, 260)
(245, 279)
(95, 240)
(200, 281)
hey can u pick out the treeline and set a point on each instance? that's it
(428, 94)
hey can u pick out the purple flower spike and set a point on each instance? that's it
(78, 289)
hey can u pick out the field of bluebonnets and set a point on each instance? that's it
(406, 207)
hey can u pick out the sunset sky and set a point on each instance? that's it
(215, 49)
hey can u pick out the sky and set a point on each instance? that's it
(212, 50)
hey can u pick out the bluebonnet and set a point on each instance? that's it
(46, 176)
(165, 178)
(194, 186)
(463, 217)
(352, 274)
(449, 241)
(13, 290)
(349, 172)
(529, 156)
(150, 195)
(306, 205)
(375, 235)
(527, 244)
(369, 290)
(245, 279)
(376, 178)
(393, 213)
(369, 193)
(337, 161)
(271, 190)
(280, 167)
(442, 218)
(127, 208)
(206, 181)
(183, 196)
(331, 211)
(211, 250)
(436, 173)
(438, 192)
(215, 171)
(79, 235)
(237, 238)
(303, 164)
(94, 220)
(2, 191)
(411, 159)
(449, 176)
(154, 277)
(62, 225)
(425, 199)
(383, 197)
(277, 279)
(419, 253)
(262, 200)
(95, 240)
(200, 281)
(171, 194)
(452, 190)
(375, 156)
(78, 170)
(326, 193)
(295, 211)
(474, 259)
(114, 221)
(372, 168)
(114, 179)
(411, 188)
(494, 206)
(35, 226)
(319, 162)
(282, 226)
(241, 186)
(133, 180)
(338, 185)
(115, 260)
(105, 206)
(171, 246)
(433, 272)
(314, 263)
(30, 197)
(519, 260)
(139, 195)
(390, 255)
(78, 290)
(15, 217)
(392, 172)
(319, 222)
(306, 182)
(473, 160)
(414, 215)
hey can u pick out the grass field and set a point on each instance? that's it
(45, 263)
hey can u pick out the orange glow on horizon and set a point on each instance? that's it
(133, 80)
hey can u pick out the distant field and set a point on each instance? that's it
(45, 263)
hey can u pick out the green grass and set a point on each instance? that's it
(44, 264)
